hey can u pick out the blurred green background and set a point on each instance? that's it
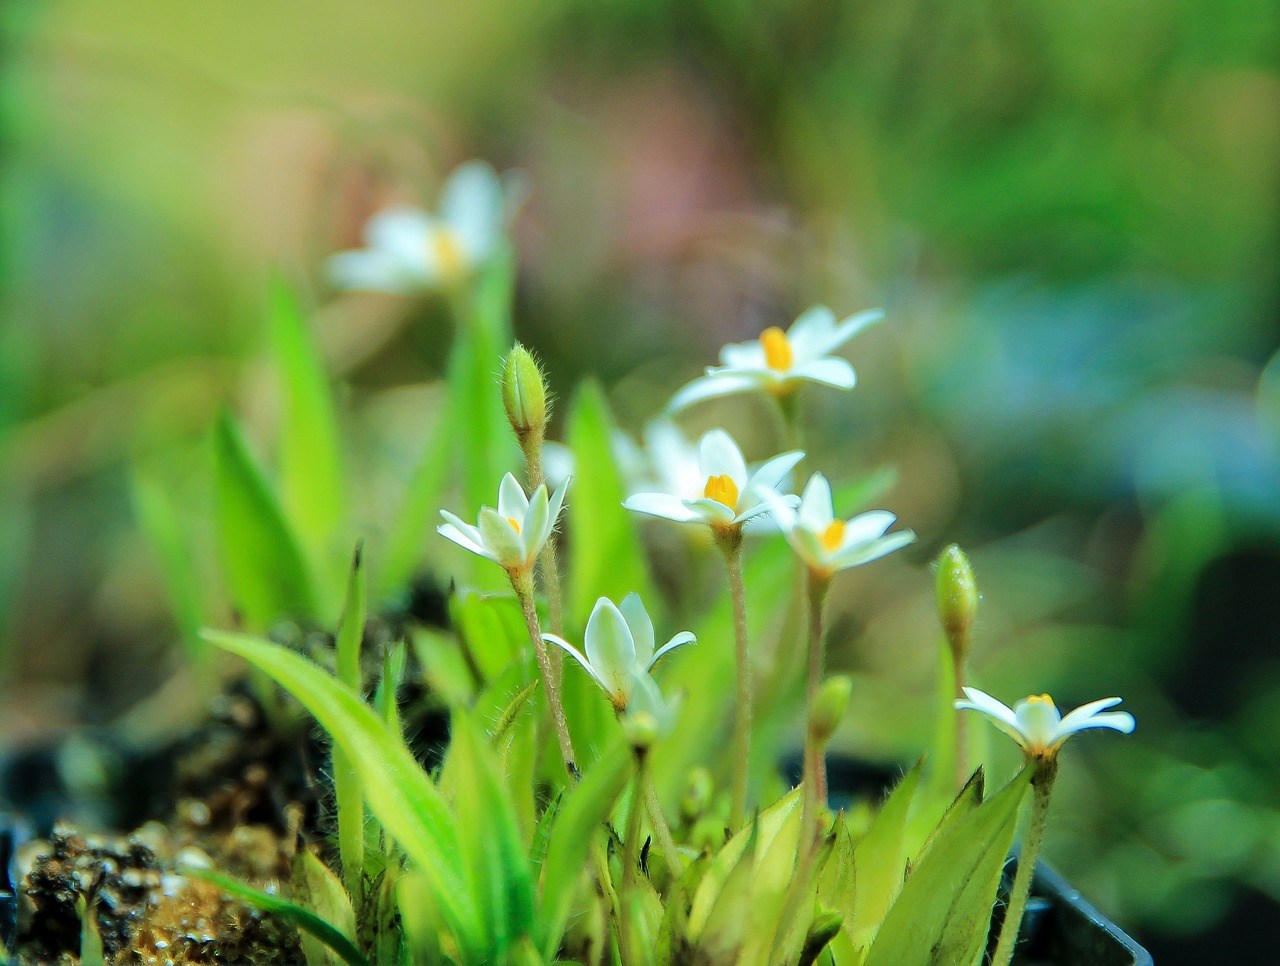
(1069, 213)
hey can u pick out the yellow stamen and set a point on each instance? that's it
(722, 489)
(777, 350)
(515, 524)
(833, 536)
(447, 253)
(1040, 699)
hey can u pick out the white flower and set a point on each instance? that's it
(778, 360)
(1036, 724)
(409, 250)
(726, 496)
(827, 544)
(620, 653)
(514, 533)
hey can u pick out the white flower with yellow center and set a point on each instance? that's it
(620, 652)
(1036, 724)
(827, 544)
(409, 250)
(513, 534)
(779, 361)
(727, 496)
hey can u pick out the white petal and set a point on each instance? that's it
(462, 526)
(1121, 721)
(808, 547)
(817, 512)
(662, 505)
(1001, 715)
(1038, 721)
(847, 329)
(512, 502)
(1088, 710)
(404, 233)
(743, 355)
(644, 697)
(535, 527)
(761, 508)
(772, 472)
(450, 532)
(501, 539)
(719, 455)
(577, 656)
(709, 510)
(610, 648)
(781, 511)
(811, 331)
(555, 505)
(857, 555)
(680, 640)
(829, 370)
(471, 204)
(866, 526)
(673, 458)
(710, 387)
(370, 270)
(641, 627)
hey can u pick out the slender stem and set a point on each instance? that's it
(522, 583)
(631, 862)
(1042, 788)
(731, 544)
(962, 726)
(661, 830)
(815, 765)
(549, 559)
(347, 793)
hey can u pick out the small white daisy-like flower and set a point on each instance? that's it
(727, 496)
(620, 652)
(409, 250)
(512, 535)
(1036, 724)
(779, 361)
(824, 542)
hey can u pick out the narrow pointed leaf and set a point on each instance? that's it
(880, 859)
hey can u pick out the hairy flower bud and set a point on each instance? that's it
(524, 392)
(957, 599)
(829, 707)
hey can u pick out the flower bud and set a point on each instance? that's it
(829, 707)
(957, 597)
(524, 393)
(697, 794)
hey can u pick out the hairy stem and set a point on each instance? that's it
(815, 765)
(962, 728)
(661, 830)
(522, 583)
(731, 544)
(1042, 789)
(630, 863)
(549, 559)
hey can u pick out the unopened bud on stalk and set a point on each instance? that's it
(957, 595)
(524, 393)
(829, 707)
(697, 794)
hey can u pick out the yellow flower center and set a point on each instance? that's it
(515, 524)
(777, 350)
(833, 536)
(722, 489)
(1040, 699)
(447, 253)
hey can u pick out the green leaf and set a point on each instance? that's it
(396, 789)
(327, 900)
(943, 913)
(91, 953)
(420, 918)
(346, 783)
(311, 477)
(585, 809)
(295, 914)
(264, 567)
(880, 859)
(492, 629)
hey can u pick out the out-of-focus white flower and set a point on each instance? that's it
(827, 544)
(779, 361)
(726, 496)
(620, 652)
(1036, 724)
(408, 250)
(513, 534)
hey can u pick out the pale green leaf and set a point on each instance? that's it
(880, 859)
(320, 892)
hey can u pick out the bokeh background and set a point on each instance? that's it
(1069, 213)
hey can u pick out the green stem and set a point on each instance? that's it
(815, 765)
(961, 726)
(549, 559)
(1042, 789)
(731, 544)
(630, 864)
(346, 783)
(522, 583)
(661, 830)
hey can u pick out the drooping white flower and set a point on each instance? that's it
(726, 496)
(409, 250)
(1036, 724)
(513, 534)
(620, 652)
(779, 361)
(824, 542)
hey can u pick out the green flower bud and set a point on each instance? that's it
(826, 925)
(524, 392)
(957, 597)
(829, 707)
(697, 794)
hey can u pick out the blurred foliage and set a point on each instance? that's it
(1069, 213)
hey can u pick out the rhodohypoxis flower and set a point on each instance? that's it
(513, 534)
(824, 542)
(1036, 724)
(727, 495)
(779, 361)
(620, 652)
(409, 250)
